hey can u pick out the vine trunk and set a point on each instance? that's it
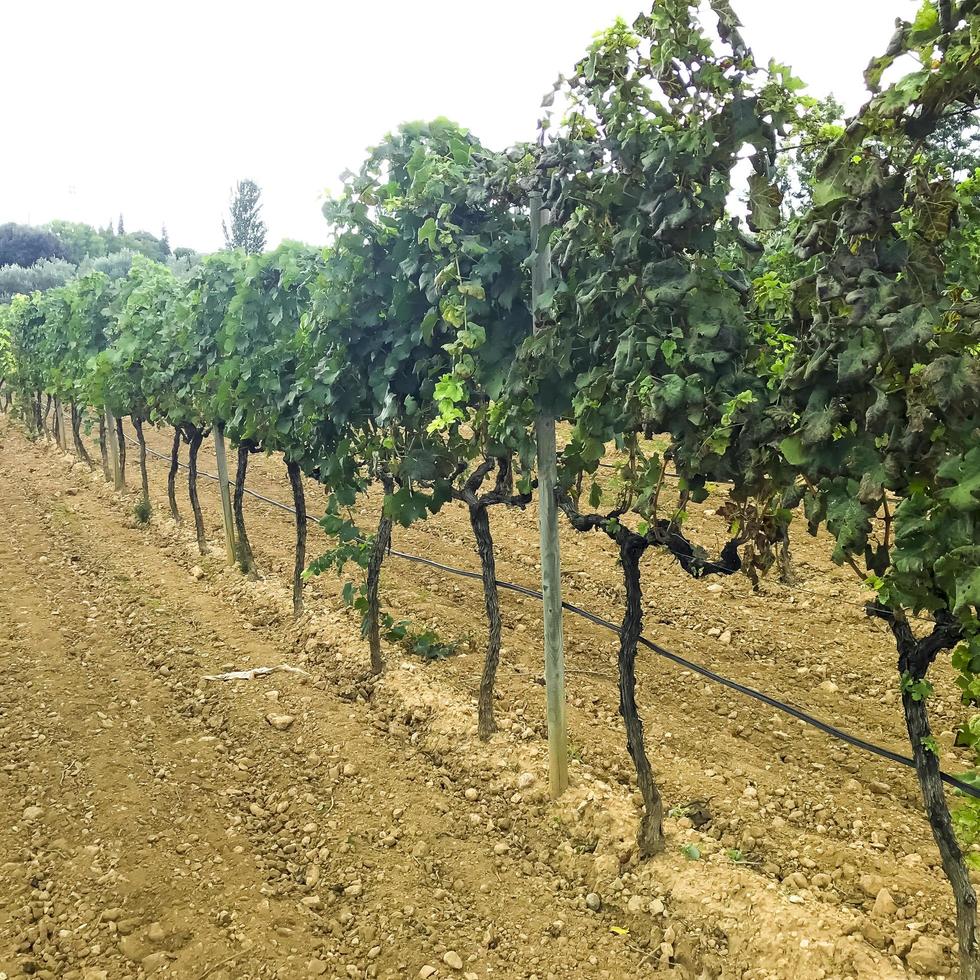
(299, 504)
(172, 476)
(480, 522)
(197, 437)
(243, 547)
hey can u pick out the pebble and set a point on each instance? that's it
(33, 812)
(471, 794)
(427, 971)
(156, 933)
(197, 573)
(828, 687)
(526, 779)
(726, 638)
(593, 901)
(280, 722)
(453, 960)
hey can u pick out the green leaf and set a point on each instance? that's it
(427, 233)
(792, 449)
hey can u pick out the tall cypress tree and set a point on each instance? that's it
(245, 229)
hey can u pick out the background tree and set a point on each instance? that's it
(247, 229)
(25, 245)
(43, 275)
(79, 240)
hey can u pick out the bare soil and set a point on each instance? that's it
(322, 824)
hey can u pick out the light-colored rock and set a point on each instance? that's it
(280, 722)
(871, 884)
(593, 901)
(884, 907)
(197, 573)
(32, 813)
(154, 962)
(526, 779)
(452, 959)
(133, 948)
(828, 687)
(928, 956)
(427, 971)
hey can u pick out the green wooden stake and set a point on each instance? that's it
(110, 424)
(60, 430)
(222, 459)
(554, 647)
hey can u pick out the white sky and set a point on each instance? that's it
(154, 108)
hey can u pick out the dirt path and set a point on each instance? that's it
(158, 822)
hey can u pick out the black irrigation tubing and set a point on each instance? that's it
(750, 692)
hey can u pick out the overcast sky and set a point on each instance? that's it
(155, 109)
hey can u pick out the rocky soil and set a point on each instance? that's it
(311, 822)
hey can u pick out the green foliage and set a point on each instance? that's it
(428, 646)
(917, 689)
(882, 392)
(44, 274)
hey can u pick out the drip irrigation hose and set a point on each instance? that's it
(750, 692)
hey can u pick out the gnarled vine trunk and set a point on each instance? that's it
(103, 449)
(299, 504)
(197, 437)
(243, 547)
(650, 839)
(172, 476)
(121, 442)
(784, 559)
(382, 543)
(48, 430)
(144, 477)
(934, 801)
(480, 523)
(76, 437)
(36, 413)
(914, 659)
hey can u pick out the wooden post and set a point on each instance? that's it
(222, 460)
(554, 648)
(110, 424)
(59, 417)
